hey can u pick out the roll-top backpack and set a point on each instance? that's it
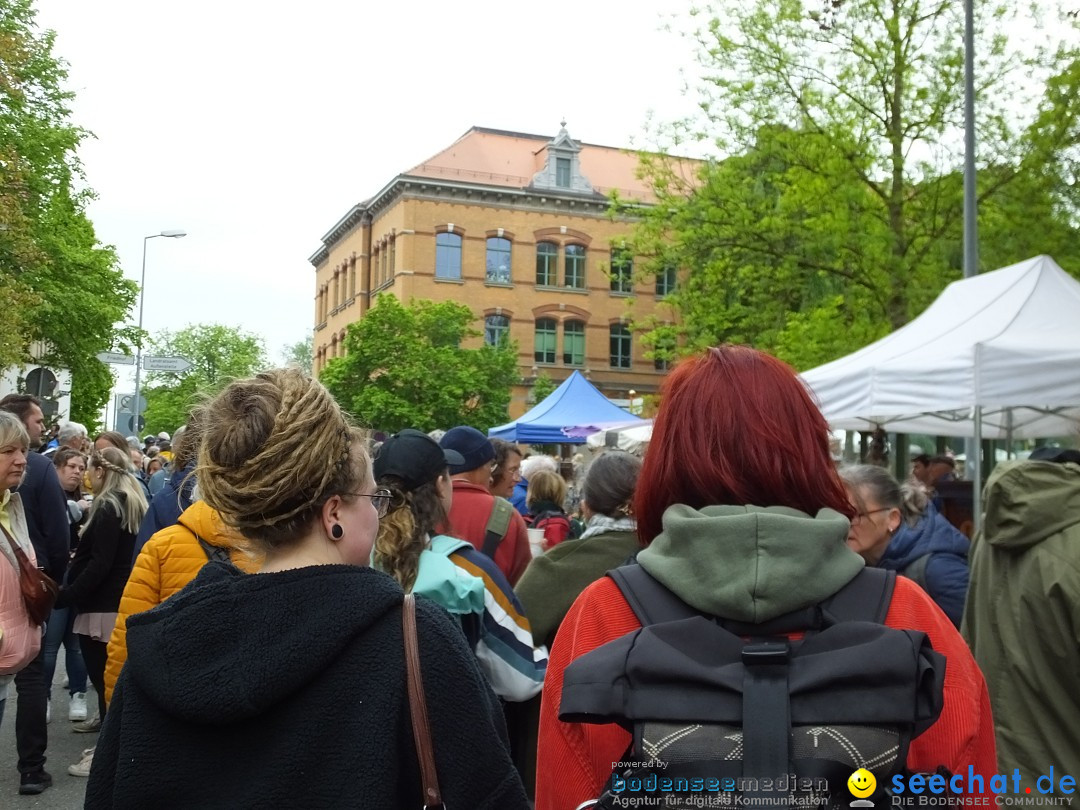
(738, 714)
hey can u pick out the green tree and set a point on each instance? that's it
(61, 287)
(300, 354)
(835, 215)
(217, 353)
(404, 366)
(542, 387)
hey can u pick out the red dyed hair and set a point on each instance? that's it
(736, 427)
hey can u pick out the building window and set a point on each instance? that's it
(498, 260)
(665, 347)
(575, 267)
(547, 259)
(573, 343)
(620, 346)
(562, 172)
(393, 256)
(622, 271)
(385, 264)
(496, 329)
(546, 338)
(665, 281)
(447, 255)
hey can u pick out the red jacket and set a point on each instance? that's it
(574, 759)
(468, 519)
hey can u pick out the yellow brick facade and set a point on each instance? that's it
(389, 245)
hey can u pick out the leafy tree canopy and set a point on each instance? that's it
(218, 354)
(832, 212)
(404, 366)
(300, 354)
(61, 287)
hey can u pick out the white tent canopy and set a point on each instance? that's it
(1006, 341)
(632, 438)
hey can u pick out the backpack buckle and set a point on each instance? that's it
(764, 653)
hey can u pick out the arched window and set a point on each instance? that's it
(574, 274)
(498, 260)
(622, 271)
(546, 339)
(620, 346)
(573, 345)
(496, 329)
(547, 260)
(447, 255)
(665, 281)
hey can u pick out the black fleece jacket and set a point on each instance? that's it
(102, 563)
(288, 689)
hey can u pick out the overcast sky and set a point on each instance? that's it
(255, 130)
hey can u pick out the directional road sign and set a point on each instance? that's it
(116, 358)
(166, 364)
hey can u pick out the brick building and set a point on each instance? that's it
(517, 227)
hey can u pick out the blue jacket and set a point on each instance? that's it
(46, 514)
(947, 567)
(518, 498)
(167, 506)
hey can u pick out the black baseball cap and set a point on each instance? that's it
(414, 457)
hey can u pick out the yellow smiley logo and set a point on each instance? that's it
(861, 783)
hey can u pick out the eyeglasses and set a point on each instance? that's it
(380, 499)
(860, 515)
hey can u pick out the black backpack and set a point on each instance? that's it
(214, 553)
(724, 713)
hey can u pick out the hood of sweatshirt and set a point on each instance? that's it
(751, 563)
(231, 646)
(1028, 501)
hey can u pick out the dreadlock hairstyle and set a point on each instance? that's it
(119, 489)
(404, 531)
(275, 448)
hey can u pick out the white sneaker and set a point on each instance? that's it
(77, 708)
(82, 767)
(64, 683)
(48, 710)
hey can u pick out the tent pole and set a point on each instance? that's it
(1008, 433)
(975, 458)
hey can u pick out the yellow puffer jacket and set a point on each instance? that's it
(169, 561)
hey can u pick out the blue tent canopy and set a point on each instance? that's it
(573, 411)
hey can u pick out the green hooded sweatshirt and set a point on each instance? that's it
(751, 563)
(1022, 617)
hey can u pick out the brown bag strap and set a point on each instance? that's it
(15, 547)
(418, 707)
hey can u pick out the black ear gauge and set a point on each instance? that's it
(336, 531)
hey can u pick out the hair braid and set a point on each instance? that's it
(275, 447)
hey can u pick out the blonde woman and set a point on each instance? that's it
(20, 638)
(287, 687)
(102, 563)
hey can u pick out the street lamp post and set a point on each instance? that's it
(171, 234)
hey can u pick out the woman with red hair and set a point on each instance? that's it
(742, 515)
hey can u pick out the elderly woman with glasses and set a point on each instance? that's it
(413, 469)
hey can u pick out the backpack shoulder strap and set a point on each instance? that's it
(651, 602)
(214, 552)
(865, 598)
(498, 524)
(916, 570)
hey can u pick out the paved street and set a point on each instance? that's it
(65, 748)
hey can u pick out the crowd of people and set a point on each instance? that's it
(240, 617)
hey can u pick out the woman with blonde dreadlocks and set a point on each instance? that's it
(102, 563)
(413, 468)
(288, 687)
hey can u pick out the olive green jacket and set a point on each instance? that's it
(1022, 617)
(553, 581)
